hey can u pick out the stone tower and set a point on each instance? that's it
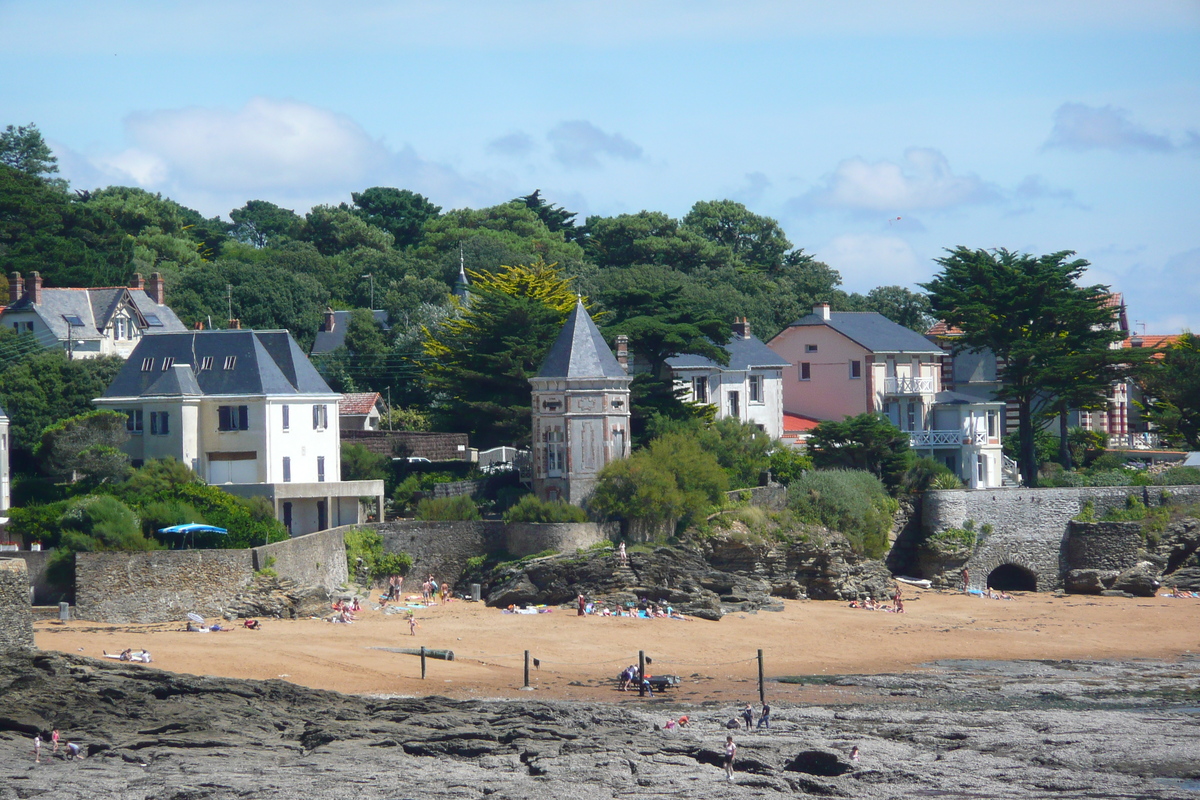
(580, 412)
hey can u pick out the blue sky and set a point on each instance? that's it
(876, 133)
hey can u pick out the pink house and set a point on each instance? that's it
(841, 364)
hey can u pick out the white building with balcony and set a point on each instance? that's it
(842, 364)
(249, 414)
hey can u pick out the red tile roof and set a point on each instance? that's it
(797, 423)
(942, 329)
(358, 403)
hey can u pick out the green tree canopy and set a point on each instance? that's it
(867, 442)
(757, 242)
(85, 446)
(479, 360)
(260, 223)
(1172, 390)
(400, 212)
(1032, 314)
(23, 148)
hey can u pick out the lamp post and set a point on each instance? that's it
(371, 275)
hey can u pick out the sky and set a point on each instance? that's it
(877, 133)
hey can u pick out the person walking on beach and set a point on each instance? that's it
(582, 605)
(730, 752)
(412, 625)
(37, 748)
(54, 738)
(765, 720)
(966, 576)
(748, 715)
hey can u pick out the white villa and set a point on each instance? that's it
(248, 413)
(749, 387)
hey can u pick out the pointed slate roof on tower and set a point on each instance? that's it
(580, 351)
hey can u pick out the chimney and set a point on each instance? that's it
(623, 351)
(235, 324)
(1135, 342)
(16, 287)
(329, 320)
(35, 287)
(822, 311)
(741, 328)
(155, 288)
(136, 282)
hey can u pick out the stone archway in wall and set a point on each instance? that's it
(1012, 578)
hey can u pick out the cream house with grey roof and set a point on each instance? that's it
(86, 323)
(249, 414)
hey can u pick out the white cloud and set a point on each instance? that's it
(868, 260)
(579, 144)
(1080, 127)
(292, 153)
(517, 144)
(923, 182)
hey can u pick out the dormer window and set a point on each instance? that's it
(168, 362)
(147, 364)
(230, 362)
(206, 363)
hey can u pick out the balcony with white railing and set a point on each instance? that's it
(1133, 441)
(950, 438)
(901, 385)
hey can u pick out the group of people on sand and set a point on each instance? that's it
(345, 611)
(432, 591)
(70, 752)
(394, 591)
(1177, 592)
(642, 610)
(896, 606)
(128, 654)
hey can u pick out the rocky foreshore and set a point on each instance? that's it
(958, 730)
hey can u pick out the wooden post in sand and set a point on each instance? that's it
(762, 694)
(526, 669)
(641, 673)
(422, 662)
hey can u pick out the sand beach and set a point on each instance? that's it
(578, 656)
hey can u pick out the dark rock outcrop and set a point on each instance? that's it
(1019, 730)
(1140, 580)
(716, 576)
(278, 598)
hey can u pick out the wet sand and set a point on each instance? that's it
(717, 660)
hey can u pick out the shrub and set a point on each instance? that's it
(1109, 477)
(361, 464)
(100, 522)
(946, 480)
(853, 502)
(788, 464)
(530, 509)
(923, 472)
(368, 545)
(1105, 462)
(446, 509)
(866, 442)
(1179, 476)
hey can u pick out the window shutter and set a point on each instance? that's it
(316, 417)
(223, 418)
(243, 418)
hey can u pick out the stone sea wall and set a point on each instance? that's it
(525, 538)
(317, 559)
(1029, 527)
(1103, 545)
(160, 585)
(16, 618)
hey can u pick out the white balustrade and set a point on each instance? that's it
(902, 385)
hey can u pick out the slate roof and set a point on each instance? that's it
(328, 341)
(264, 362)
(580, 351)
(948, 398)
(873, 331)
(95, 309)
(357, 403)
(744, 354)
